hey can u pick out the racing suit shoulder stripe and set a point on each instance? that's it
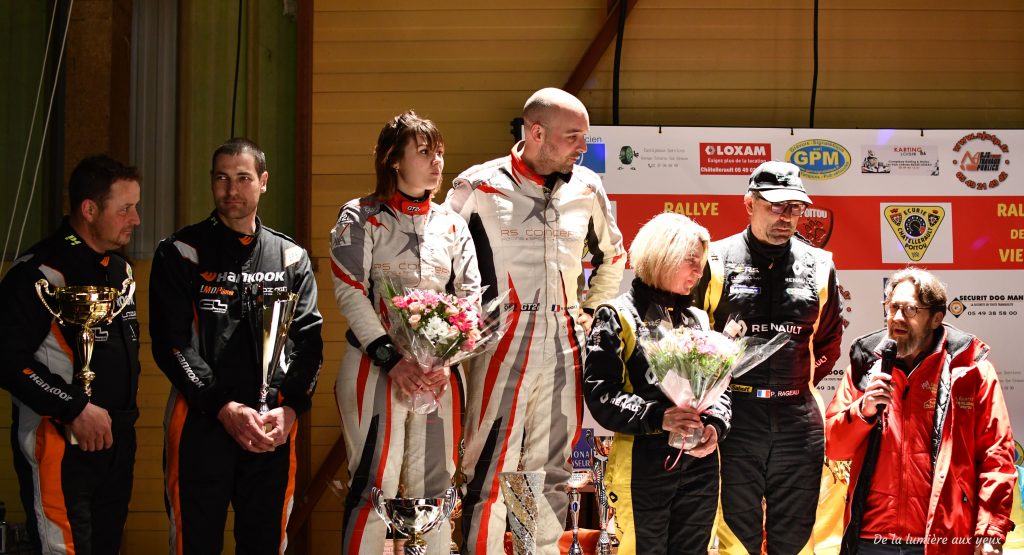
(188, 252)
(53, 275)
(345, 278)
(58, 337)
(628, 324)
(714, 289)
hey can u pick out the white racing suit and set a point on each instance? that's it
(531, 234)
(424, 246)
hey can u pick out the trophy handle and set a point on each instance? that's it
(127, 285)
(377, 500)
(451, 499)
(41, 286)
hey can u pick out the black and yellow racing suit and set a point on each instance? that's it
(656, 510)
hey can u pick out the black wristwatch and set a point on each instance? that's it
(382, 354)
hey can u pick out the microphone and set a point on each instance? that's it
(888, 352)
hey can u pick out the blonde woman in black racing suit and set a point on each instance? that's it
(658, 510)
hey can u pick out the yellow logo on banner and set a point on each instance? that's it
(915, 226)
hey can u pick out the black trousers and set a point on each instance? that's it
(774, 452)
(82, 496)
(661, 511)
(206, 471)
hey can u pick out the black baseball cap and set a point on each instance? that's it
(778, 182)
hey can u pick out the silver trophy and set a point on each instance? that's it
(413, 517)
(577, 480)
(602, 447)
(278, 311)
(521, 491)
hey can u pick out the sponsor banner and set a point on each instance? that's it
(900, 160)
(835, 162)
(981, 160)
(733, 158)
(859, 231)
(819, 159)
(965, 223)
(914, 228)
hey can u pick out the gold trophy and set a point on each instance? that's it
(278, 311)
(86, 306)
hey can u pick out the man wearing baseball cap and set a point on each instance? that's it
(769, 280)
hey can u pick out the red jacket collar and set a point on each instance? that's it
(520, 167)
(403, 205)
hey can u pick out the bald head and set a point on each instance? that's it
(543, 104)
(556, 126)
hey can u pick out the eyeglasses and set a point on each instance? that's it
(909, 310)
(793, 209)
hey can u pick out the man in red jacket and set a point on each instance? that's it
(930, 439)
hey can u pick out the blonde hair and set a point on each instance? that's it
(663, 244)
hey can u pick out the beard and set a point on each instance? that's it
(550, 162)
(913, 343)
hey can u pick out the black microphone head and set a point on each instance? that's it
(887, 348)
(888, 351)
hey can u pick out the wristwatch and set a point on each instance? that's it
(382, 354)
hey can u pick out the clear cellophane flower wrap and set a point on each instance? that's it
(694, 367)
(438, 330)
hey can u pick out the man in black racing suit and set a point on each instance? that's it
(207, 339)
(75, 495)
(768, 281)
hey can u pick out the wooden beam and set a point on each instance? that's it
(306, 493)
(317, 486)
(597, 48)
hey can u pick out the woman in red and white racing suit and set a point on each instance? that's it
(397, 232)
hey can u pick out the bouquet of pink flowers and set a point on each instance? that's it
(695, 366)
(439, 329)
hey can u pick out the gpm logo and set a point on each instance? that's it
(819, 159)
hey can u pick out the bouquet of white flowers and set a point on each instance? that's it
(694, 367)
